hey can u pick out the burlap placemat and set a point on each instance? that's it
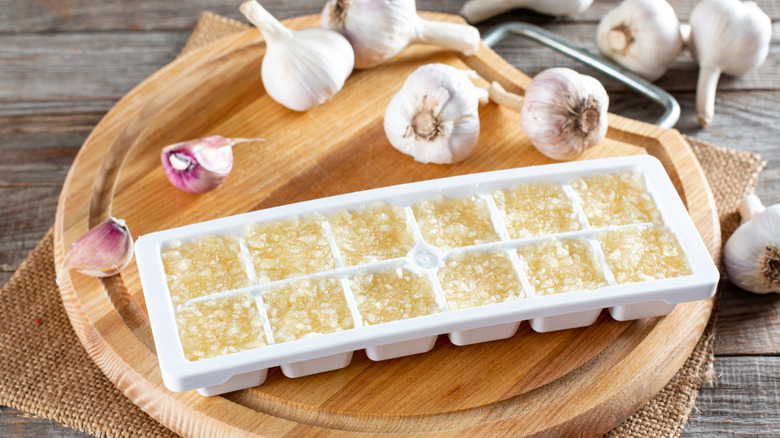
(45, 371)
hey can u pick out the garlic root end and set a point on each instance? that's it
(500, 96)
(705, 94)
(749, 207)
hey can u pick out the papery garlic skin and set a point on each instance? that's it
(104, 250)
(301, 69)
(435, 116)
(642, 36)
(480, 10)
(380, 29)
(727, 36)
(564, 113)
(752, 253)
(200, 165)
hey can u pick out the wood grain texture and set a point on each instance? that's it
(753, 384)
(749, 324)
(563, 390)
(17, 424)
(52, 121)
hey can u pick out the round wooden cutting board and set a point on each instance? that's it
(575, 382)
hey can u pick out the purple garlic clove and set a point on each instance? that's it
(200, 165)
(102, 251)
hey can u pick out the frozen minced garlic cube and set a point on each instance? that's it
(307, 307)
(392, 295)
(471, 279)
(204, 266)
(616, 199)
(560, 265)
(376, 232)
(637, 254)
(536, 210)
(220, 326)
(287, 248)
(453, 223)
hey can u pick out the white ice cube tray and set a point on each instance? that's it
(490, 322)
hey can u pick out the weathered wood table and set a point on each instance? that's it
(64, 64)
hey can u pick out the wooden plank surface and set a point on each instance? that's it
(101, 50)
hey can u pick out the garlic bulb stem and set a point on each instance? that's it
(685, 32)
(269, 26)
(500, 96)
(750, 207)
(447, 35)
(480, 10)
(706, 88)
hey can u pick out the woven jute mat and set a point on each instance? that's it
(45, 371)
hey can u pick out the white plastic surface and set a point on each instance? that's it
(417, 335)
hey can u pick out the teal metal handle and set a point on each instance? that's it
(671, 108)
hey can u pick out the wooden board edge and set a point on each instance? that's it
(84, 327)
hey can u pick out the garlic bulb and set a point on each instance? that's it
(727, 36)
(642, 36)
(380, 29)
(752, 253)
(563, 112)
(304, 68)
(479, 10)
(200, 165)
(434, 117)
(102, 251)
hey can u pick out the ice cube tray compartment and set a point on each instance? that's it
(325, 247)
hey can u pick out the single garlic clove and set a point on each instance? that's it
(102, 251)
(751, 255)
(380, 29)
(301, 69)
(641, 35)
(726, 36)
(435, 116)
(480, 10)
(200, 165)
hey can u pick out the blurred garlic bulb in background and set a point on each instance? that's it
(642, 36)
(301, 69)
(434, 117)
(480, 10)
(727, 36)
(380, 29)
